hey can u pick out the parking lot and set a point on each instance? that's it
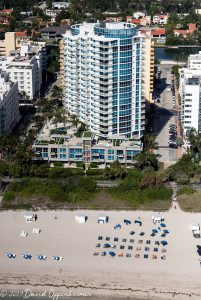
(165, 121)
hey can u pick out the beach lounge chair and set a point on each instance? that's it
(116, 239)
(128, 255)
(122, 247)
(140, 242)
(103, 253)
(96, 253)
(163, 250)
(107, 238)
(57, 258)
(23, 234)
(98, 245)
(163, 257)
(130, 247)
(137, 255)
(148, 242)
(26, 256)
(163, 235)
(154, 256)
(153, 234)
(138, 222)
(132, 232)
(147, 248)
(127, 222)
(138, 249)
(120, 254)
(113, 246)
(106, 246)
(131, 241)
(10, 255)
(100, 238)
(41, 257)
(146, 255)
(155, 249)
(142, 233)
(157, 243)
(124, 240)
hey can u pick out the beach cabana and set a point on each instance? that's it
(81, 218)
(30, 217)
(157, 219)
(103, 219)
(36, 230)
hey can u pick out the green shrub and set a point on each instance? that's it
(95, 172)
(9, 196)
(93, 165)
(80, 164)
(58, 164)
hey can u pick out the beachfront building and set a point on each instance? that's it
(9, 106)
(190, 90)
(62, 145)
(104, 72)
(25, 66)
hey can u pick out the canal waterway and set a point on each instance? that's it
(176, 54)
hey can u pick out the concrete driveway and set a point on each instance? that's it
(165, 115)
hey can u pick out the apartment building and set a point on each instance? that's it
(104, 77)
(8, 44)
(87, 149)
(25, 66)
(9, 105)
(190, 93)
(160, 19)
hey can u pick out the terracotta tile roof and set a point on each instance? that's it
(21, 33)
(158, 31)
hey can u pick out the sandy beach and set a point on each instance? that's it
(80, 273)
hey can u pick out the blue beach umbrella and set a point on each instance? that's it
(164, 243)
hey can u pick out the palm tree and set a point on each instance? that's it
(57, 92)
(150, 143)
(195, 142)
(75, 121)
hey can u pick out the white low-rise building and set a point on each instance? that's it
(60, 5)
(9, 104)
(25, 66)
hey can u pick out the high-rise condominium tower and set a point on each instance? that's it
(104, 77)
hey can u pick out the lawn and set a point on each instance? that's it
(190, 202)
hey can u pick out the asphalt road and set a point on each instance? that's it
(165, 115)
